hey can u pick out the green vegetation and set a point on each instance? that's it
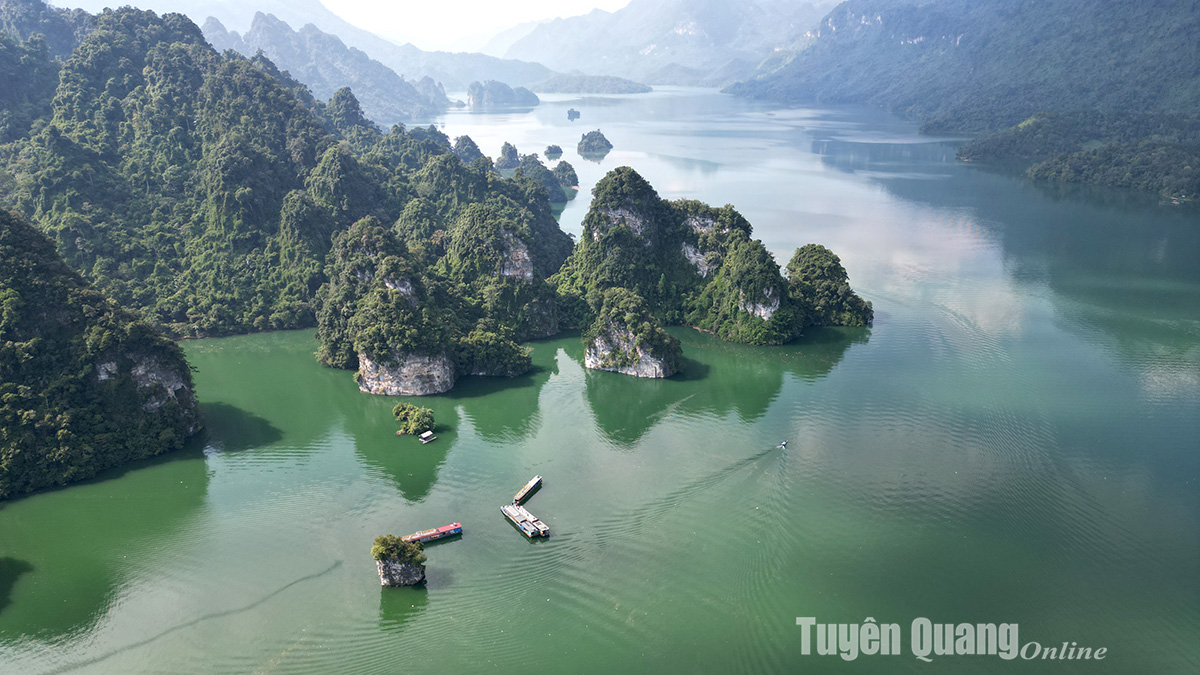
(391, 547)
(493, 353)
(697, 265)
(593, 144)
(207, 192)
(590, 84)
(572, 114)
(565, 173)
(532, 168)
(553, 152)
(84, 385)
(214, 194)
(414, 420)
(819, 284)
(466, 150)
(508, 158)
(1143, 151)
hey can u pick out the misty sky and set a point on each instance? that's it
(456, 24)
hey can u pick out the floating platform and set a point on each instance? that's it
(525, 521)
(529, 489)
(427, 437)
(436, 533)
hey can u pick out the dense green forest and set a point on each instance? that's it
(1125, 76)
(1145, 151)
(84, 384)
(204, 189)
(215, 194)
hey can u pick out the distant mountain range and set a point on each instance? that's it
(454, 71)
(324, 63)
(967, 65)
(691, 42)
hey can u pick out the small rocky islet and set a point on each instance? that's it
(399, 562)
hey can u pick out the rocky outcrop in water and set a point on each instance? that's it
(392, 572)
(594, 145)
(494, 94)
(406, 375)
(618, 351)
(626, 338)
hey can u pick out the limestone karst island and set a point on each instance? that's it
(599, 336)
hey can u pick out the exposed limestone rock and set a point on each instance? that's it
(623, 216)
(617, 351)
(403, 285)
(517, 261)
(167, 383)
(763, 310)
(392, 572)
(406, 375)
(106, 370)
(701, 224)
(698, 259)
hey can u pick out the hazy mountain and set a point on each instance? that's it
(325, 64)
(499, 43)
(453, 70)
(970, 65)
(690, 39)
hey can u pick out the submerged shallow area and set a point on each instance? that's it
(1013, 441)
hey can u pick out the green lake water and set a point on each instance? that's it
(1015, 440)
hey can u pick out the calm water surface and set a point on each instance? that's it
(1014, 441)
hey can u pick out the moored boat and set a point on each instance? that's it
(528, 489)
(434, 534)
(525, 521)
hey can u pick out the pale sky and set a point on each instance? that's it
(456, 24)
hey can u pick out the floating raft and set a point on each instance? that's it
(525, 521)
(436, 533)
(427, 437)
(523, 494)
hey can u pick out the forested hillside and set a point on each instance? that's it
(84, 385)
(973, 66)
(205, 189)
(1093, 86)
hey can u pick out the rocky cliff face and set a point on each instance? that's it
(765, 306)
(395, 573)
(516, 259)
(406, 375)
(156, 382)
(617, 351)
